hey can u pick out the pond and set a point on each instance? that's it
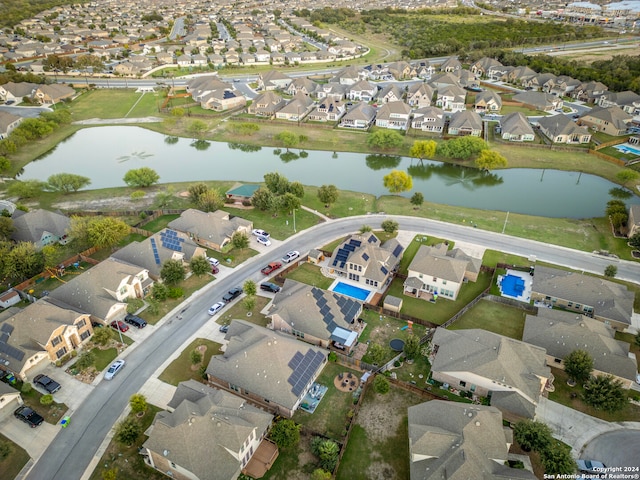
(105, 154)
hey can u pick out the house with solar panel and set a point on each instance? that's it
(210, 229)
(270, 369)
(437, 272)
(154, 251)
(45, 331)
(317, 316)
(362, 258)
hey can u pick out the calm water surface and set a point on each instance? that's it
(105, 154)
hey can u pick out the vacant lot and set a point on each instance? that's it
(493, 317)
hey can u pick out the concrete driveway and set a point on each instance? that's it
(33, 440)
(72, 392)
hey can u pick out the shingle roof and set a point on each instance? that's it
(30, 226)
(437, 261)
(215, 226)
(516, 124)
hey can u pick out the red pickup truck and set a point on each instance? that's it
(272, 267)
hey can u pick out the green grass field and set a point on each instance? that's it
(311, 275)
(493, 317)
(13, 462)
(181, 369)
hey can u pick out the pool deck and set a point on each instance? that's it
(528, 282)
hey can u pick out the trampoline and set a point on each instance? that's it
(397, 344)
(512, 285)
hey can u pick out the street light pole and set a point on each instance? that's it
(294, 221)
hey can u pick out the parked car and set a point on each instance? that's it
(291, 256)
(119, 325)
(264, 241)
(232, 294)
(269, 287)
(272, 267)
(590, 466)
(215, 308)
(49, 384)
(28, 416)
(224, 328)
(215, 269)
(214, 262)
(135, 320)
(114, 369)
(260, 233)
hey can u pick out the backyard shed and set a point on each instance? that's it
(392, 303)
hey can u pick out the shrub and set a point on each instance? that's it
(175, 292)
(102, 336)
(138, 403)
(85, 360)
(381, 384)
(46, 399)
(26, 387)
(195, 356)
(5, 450)
(128, 431)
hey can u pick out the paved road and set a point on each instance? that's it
(73, 448)
(619, 448)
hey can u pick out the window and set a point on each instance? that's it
(444, 282)
(84, 335)
(557, 360)
(435, 279)
(569, 304)
(235, 388)
(56, 341)
(61, 353)
(82, 323)
(463, 383)
(578, 306)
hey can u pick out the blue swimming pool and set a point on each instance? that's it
(627, 148)
(512, 285)
(351, 291)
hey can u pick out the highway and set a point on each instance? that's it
(73, 448)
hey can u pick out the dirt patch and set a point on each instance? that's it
(346, 382)
(379, 416)
(380, 470)
(201, 349)
(112, 203)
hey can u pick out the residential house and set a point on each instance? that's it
(333, 90)
(302, 85)
(349, 76)
(273, 80)
(606, 301)
(214, 94)
(563, 85)
(401, 70)
(633, 223)
(103, 290)
(52, 94)
(442, 80)
(428, 119)
(10, 399)
(466, 122)
(512, 373)
(362, 91)
(378, 72)
(628, 101)
(540, 82)
(561, 129)
(451, 65)
(361, 116)
(437, 271)
(44, 331)
(515, 127)
(451, 98)
(17, 91)
(262, 56)
(152, 252)
(316, 316)
(266, 104)
(394, 115)
(40, 227)
(560, 333)
(8, 122)
(268, 368)
(9, 298)
(481, 68)
(390, 93)
(487, 101)
(296, 109)
(207, 434)
(589, 92)
(468, 80)
(540, 101)
(423, 69)
(610, 120)
(419, 95)
(210, 229)
(328, 110)
(164, 58)
(459, 441)
(520, 75)
(363, 259)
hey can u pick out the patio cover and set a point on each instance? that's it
(345, 337)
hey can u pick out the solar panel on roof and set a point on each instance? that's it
(321, 302)
(6, 328)
(4, 337)
(154, 247)
(365, 257)
(324, 310)
(384, 270)
(372, 239)
(295, 360)
(354, 242)
(349, 247)
(11, 351)
(397, 250)
(317, 293)
(304, 370)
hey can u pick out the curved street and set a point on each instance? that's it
(73, 449)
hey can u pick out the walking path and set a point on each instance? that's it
(112, 121)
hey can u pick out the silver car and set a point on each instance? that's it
(114, 369)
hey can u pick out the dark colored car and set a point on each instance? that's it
(269, 287)
(272, 267)
(135, 320)
(232, 294)
(28, 416)
(224, 328)
(49, 384)
(118, 325)
(214, 269)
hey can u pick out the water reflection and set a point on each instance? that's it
(379, 161)
(289, 156)
(171, 140)
(134, 156)
(468, 178)
(243, 147)
(200, 144)
(621, 193)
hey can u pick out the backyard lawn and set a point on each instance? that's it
(51, 414)
(281, 226)
(311, 275)
(239, 311)
(182, 369)
(17, 458)
(189, 286)
(493, 317)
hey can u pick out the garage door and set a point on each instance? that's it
(6, 409)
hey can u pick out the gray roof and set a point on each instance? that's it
(560, 333)
(361, 111)
(609, 300)
(466, 119)
(214, 227)
(511, 363)
(391, 109)
(539, 100)
(561, 125)
(314, 311)
(458, 442)
(205, 427)
(516, 123)
(30, 226)
(439, 262)
(260, 361)
(613, 115)
(487, 97)
(7, 119)
(376, 260)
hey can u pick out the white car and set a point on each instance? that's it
(114, 369)
(291, 256)
(264, 241)
(213, 261)
(260, 233)
(215, 308)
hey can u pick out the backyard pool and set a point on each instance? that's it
(351, 291)
(628, 148)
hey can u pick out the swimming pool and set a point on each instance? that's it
(351, 291)
(627, 148)
(512, 285)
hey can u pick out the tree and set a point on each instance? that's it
(276, 183)
(605, 392)
(532, 435)
(417, 199)
(287, 139)
(490, 159)
(26, 188)
(239, 240)
(199, 265)
(67, 182)
(85, 360)
(249, 303)
(376, 353)
(262, 199)
(384, 139)
(195, 356)
(46, 400)
(423, 149)
(327, 451)
(128, 431)
(389, 226)
(23, 261)
(106, 232)
(138, 403)
(197, 128)
(328, 194)
(619, 219)
(6, 227)
(210, 200)
(627, 176)
(141, 177)
(288, 202)
(5, 164)
(285, 433)
(578, 365)
(249, 287)
(461, 148)
(195, 190)
(172, 272)
(634, 241)
(319, 474)
(557, 459)
(610, 271)
(102, 336)
(411, 347)
(297, 189)
(160, 291)
(397, 181)
(615, 206)
(381, 384)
